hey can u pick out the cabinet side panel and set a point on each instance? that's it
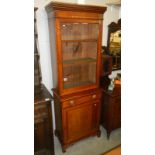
(105, 110)
(58, 116)
(51, 22)
(50, 127)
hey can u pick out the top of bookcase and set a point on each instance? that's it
(74, 7)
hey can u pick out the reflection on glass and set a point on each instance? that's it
(79, 50)
(78, 31)
(115, 48)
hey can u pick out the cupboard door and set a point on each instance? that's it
(79, 43)
(79, 121)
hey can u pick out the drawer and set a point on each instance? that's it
(77, 101)
(40, 112)
(40, 108)
(40, 117)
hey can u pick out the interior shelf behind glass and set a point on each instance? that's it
(79, 43)
(78, 61)
(81, 40)
(79, 75)
(77, 84)
(79, 51)
(79, 31)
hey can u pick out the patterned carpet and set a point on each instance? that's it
(91, 145)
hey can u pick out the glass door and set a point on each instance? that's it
(79, 43)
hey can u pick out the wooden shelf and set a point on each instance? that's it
(80, 40)
(77, 84)
(78, 61)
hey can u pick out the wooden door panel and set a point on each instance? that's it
(69, 80)
(81, 120)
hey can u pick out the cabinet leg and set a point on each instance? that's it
(64, 148)
(55, 132)
(98, 133)
(108, 134)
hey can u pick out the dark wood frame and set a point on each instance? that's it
(113, 27)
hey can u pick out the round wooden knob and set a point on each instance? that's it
(72, 102)
(94, 96)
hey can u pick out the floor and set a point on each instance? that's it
(91, 145)
(115, 151)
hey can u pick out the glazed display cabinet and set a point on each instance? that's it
(75, 38)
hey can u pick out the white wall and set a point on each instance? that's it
(44, 46)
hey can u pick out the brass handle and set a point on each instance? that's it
(72, 103)
(94, 96)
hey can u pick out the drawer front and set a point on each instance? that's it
(40, 112)
(77, 101)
